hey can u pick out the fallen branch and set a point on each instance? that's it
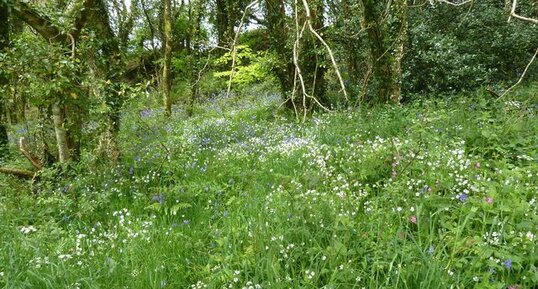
(23, 174)
(33, 159)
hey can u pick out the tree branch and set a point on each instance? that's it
(33, 159)
(42, 24)
(46, 28)
(522, 75)
(513, 14)
(456, 4)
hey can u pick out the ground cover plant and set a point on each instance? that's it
(435, 194)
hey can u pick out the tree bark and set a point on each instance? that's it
(4, 43)
(284, 68)
(112, 69)
(61, 134)
(23, 174)
(385, 64)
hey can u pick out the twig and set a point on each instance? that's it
(522, 75)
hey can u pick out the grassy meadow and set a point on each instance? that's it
(431, 194)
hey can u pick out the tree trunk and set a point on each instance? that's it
(284, 69)
(167, 35)
(4, 43)
(61, 135)
(112, 69)
(222, 22)
(385, 68)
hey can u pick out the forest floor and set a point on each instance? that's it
(431, 194)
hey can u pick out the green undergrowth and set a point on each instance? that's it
(432, 194)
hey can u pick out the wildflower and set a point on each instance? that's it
(477, 165)
(310, 274)
(431, 249)
(28, 230)
(489, 200)
(515, 286)
(158, 198)
(508, 264)
(413, 219)
(463, 197)
(476, 279)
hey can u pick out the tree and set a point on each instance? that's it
(46, 28)
(385, 59)
(4, 42)
(283, 67)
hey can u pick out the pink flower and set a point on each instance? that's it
(489, 200)
(477, 165)
(413, 219)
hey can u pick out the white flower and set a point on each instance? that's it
(28, 230)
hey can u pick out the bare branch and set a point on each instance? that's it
(456, 4)
(522, 75)
(329, 50)
(513, 14)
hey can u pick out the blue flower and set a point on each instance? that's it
(158, 198)
(463, 197)
(508, 264)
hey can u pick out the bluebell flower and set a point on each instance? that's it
(158, 198)
(508, 264)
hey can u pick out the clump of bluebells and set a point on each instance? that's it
(386, 197)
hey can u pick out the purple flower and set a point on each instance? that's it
(463, 197)
(158, 198)
(146, 113)
(508, 264)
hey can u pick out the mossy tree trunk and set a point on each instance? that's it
(283, 67)
(4, 42)
(385, 56)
